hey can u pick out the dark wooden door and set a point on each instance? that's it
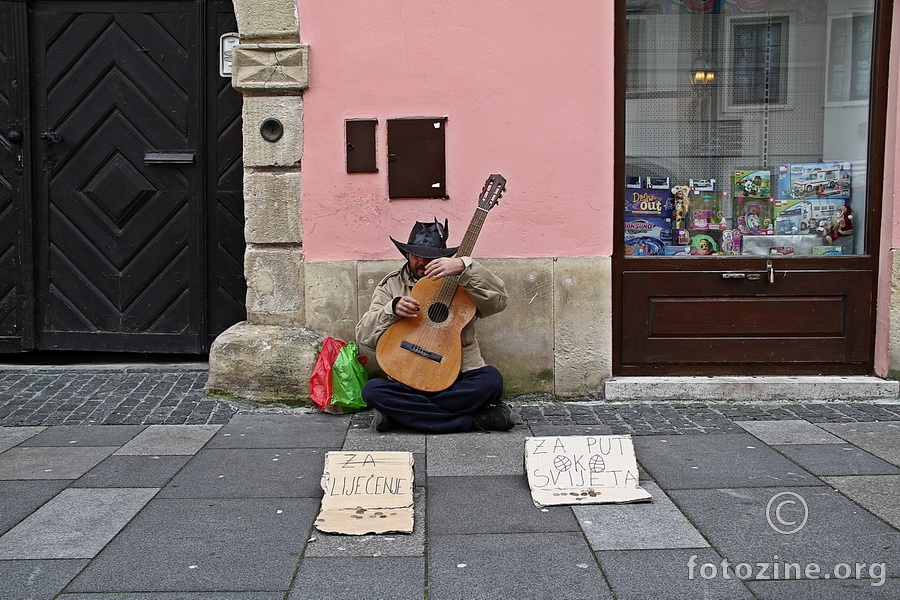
(226, 286)
(16, 302)
(138, 208)
(720, 317)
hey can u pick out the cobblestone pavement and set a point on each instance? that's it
(175, 395)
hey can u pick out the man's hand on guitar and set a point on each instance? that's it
(444, 267)
(406, 306)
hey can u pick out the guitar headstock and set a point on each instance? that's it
(493, 189)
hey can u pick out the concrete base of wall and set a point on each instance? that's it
(637, 389)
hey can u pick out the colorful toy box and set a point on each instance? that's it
(814, 180)
(804, 216)
(647, 236)
(755, 184)
(647, 202)
(706, 211)
(754, 216)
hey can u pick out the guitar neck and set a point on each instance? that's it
(448, 288)
(468, 241)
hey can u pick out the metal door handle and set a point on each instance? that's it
(51, 137)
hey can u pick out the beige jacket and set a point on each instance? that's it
(488, 293)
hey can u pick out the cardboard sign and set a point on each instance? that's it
(597, 469)
(367, 492)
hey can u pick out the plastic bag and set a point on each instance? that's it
(347, 380)
(320, 380)
(335, 384)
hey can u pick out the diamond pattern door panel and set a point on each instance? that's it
(122, 266)
(15, 299)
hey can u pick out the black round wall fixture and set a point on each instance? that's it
(271, 129)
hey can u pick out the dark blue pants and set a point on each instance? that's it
(446, 411)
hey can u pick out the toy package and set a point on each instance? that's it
(755, 184)
(804, 216)
(827, 250)
(814, 180)
(702, 185)
(754, 216)
(647, 236)
(634, 181)
(647, 202)
(707, 211)
(731, 242)
(658, 183)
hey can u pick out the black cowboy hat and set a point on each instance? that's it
(427, 240)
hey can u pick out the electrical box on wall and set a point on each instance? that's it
(417, 158)
(361, 146)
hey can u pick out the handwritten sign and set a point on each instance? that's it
(367, 492)
(596, 469)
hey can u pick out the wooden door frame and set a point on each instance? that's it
(883, 11)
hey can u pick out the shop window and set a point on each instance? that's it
(746, 128)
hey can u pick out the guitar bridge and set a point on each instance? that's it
(415, 349)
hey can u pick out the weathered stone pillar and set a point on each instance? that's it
(270, 355)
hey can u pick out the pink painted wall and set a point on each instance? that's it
(527, 88)
(890, 222)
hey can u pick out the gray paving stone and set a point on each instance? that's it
(177, 596)
(250, 473)
(391, 544)
(33, 579)
(879, 494)
(204, 545)
(792, 431)
(13, 436)
(309, 429)
(547, 429)
(389, 441)
(476, 453)
(712, 461)
(880, 439)
(388, 578)
(836, 459)
(667, 574)
(736, 522)
(74, 436)
(832, 589)
(170, 440)
(76, 523)
(490, 504)
(18, 499)
(642, 525)
(132, 471)
(51, 463)
(524, 566)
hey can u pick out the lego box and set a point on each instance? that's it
(804, 216)
(647, 236)
(814, 180)
(647, 202)
(755, 184)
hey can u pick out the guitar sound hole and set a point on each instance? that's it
(438, 312)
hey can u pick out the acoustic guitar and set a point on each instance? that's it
(425, 352)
